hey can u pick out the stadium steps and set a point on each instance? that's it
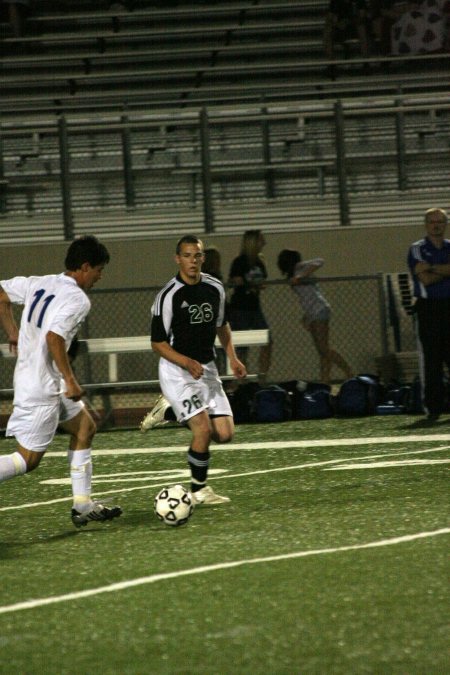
(240, 51)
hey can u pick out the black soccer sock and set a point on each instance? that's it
(198, 464)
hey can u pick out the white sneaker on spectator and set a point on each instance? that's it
(155, 418)
(207, 496)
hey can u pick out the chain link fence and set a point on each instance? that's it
(357, 330)
(357, 327)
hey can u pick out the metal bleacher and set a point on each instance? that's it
(176, 54)
(147, 70)
(71, 59)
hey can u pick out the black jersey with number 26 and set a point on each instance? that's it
(186, 316)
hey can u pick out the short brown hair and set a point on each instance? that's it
(188, 239)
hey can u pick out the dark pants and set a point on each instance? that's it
(433, 319)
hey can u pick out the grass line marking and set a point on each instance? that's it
(307, 465)
(387, 465)
(270, 445)
(153, 578)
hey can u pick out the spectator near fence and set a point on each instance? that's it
(247, 276)
(317, 311)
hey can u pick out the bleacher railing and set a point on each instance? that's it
(133, 161)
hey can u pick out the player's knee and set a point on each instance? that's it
(223, 433)
(224, 437)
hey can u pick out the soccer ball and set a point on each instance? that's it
(174, 505)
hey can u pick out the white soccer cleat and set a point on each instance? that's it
(155, 418)
(207, 496)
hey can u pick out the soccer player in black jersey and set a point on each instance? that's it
(187, 315)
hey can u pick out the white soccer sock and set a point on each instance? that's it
(12, 465)
(81, 476)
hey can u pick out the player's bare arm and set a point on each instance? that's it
(170, 354)
(225, 336)
(8, 322)
(57, 348)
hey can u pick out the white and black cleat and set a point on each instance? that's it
(98, 513)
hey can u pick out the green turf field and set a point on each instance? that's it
(330, 558)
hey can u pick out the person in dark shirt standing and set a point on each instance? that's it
(247, 276)
(187, 315)
(429, 263)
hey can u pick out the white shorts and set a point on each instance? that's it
(35, 427)
(189, 397)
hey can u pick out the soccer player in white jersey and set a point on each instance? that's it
(187, 315)
(46, 391)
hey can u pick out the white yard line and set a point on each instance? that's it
(153, 578)
(294, 467)
(270, 445)
(386, 465)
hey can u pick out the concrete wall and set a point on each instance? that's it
(149, 262)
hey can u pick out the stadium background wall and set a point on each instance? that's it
(149, 261)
